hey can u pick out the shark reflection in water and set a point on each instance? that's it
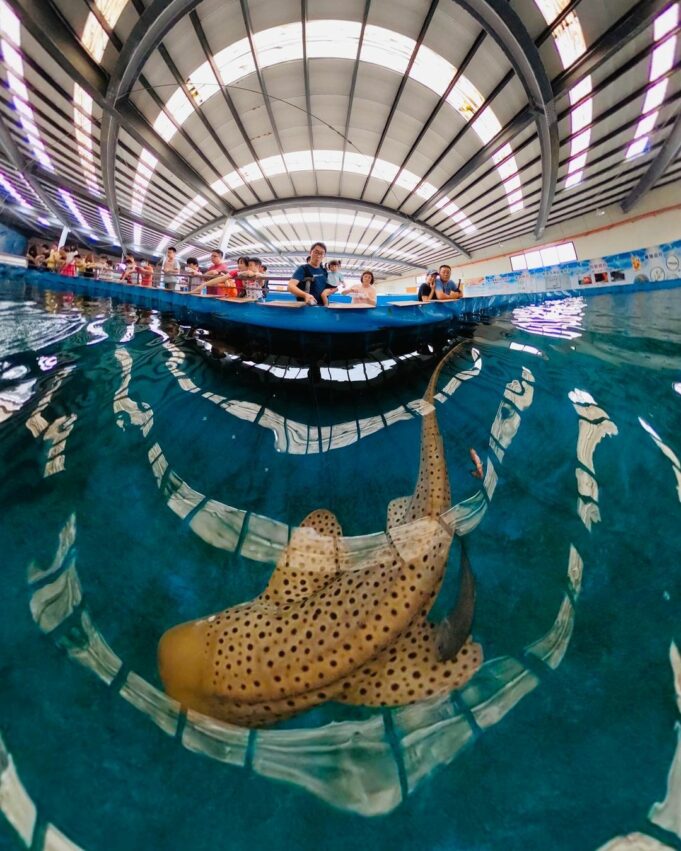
(329, 628)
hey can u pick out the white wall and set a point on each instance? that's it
(648, 224)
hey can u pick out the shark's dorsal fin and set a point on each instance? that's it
(313, 556)
(397, 511)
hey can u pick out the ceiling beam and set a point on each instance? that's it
(505, 27)
(403, 82)
(306, 78)
(351, 93)
(626, 28)
(46, 26)
(147, 35)
(665, 157)
(25, 169)
(335, 203)
(248, 25)
(229, 103)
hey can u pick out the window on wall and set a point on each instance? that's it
(552, 255)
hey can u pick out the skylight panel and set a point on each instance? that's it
(235, 62)
(17, 86)
(465, 98)
(179, 107)
(71, 205)
(94, 37)
(202, 83)
(449, 208)
(12, 58)
(426, 190)
(645, 125)
(569, 40)
(637, 147)
(82, 111)
(407, 179)
(357, 163)
(330, 39)
(279, 44)
(328, 160)
(251, 172)
(196, 204)
(298, 160)
(111, 10)
(15, 64)
(271, 166)
(580, 143)
(145, 166)
(137, 235)
(383, 170)
(507, 168)
(7, 186)
(337, 39)
(655, 96)
(432, 70)
(164, 126)
(663, 58)
(666, 22)
(387, 48)
(582, 115)
(9, 24)
(577, 163)
(163, 244)
(219, 186)
(108, 224)
(486, 125)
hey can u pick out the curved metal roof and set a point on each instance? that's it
(400, 131)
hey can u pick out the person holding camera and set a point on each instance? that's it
(310, 282)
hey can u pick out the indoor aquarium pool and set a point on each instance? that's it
(155, 474)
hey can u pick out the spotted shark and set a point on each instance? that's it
(334, 626)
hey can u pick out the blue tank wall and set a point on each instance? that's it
(11, 241)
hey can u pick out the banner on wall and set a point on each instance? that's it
(659, 263)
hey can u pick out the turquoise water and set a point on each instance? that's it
(92, 394)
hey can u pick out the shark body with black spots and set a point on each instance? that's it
(328, 627)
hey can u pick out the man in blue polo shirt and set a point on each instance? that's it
(309, 282)
(445, 288)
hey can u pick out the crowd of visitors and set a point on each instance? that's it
(313, 283)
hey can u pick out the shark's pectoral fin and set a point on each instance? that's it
(411, 670)
(313, 556)
(452, 632)
(397, 511)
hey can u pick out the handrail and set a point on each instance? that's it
(181, 282)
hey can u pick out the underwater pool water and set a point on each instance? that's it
(152, 475)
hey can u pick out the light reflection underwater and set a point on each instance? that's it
(371, 763)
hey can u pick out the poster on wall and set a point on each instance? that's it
(658, 263)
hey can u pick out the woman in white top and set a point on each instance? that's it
(364, 293)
